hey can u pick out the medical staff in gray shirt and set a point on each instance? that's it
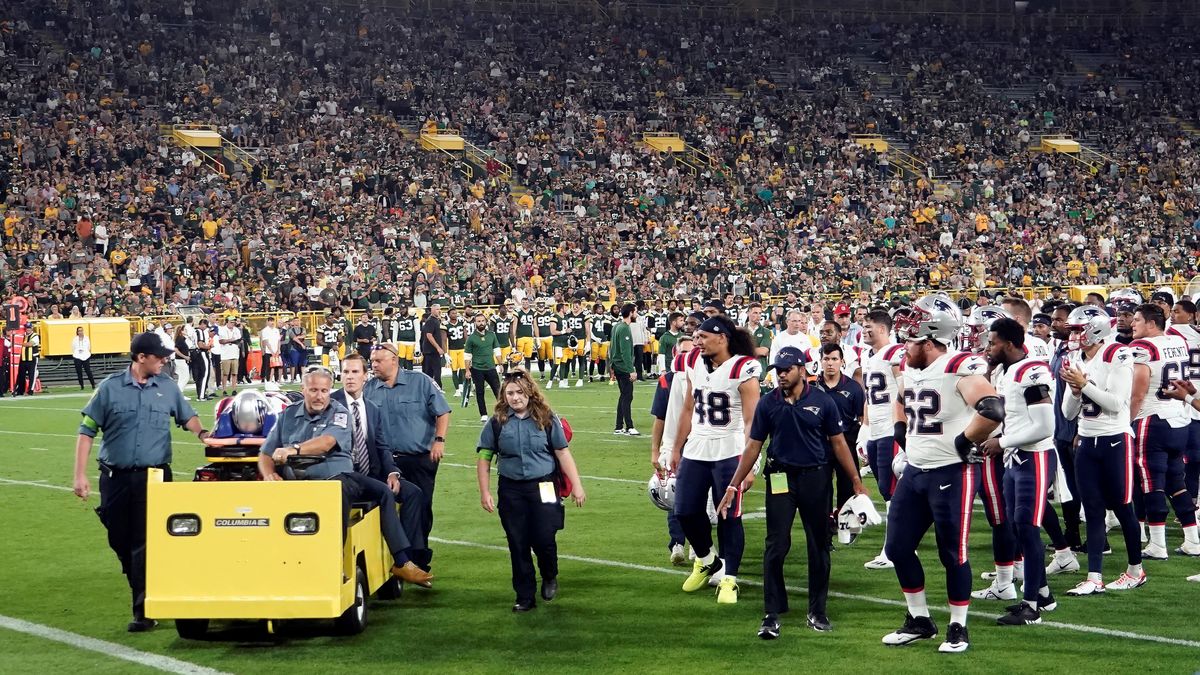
(415, 420)
(319, 427)
(133, 410)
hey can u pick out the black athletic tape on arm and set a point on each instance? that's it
(1037, 394)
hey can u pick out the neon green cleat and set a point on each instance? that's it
(727, 592)
(700, 573)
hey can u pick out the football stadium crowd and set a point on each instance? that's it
(105, 215)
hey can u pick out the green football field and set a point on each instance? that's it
(620, 607)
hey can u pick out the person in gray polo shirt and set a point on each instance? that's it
(133, 409)
(319, 427)
(415, 420)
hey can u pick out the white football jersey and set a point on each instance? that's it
(676, 400)
(1111, 369)
(1038, 349)
(1190, 335)
(881, 389)
(718, 429)
(1167, 358)
(1011, 384)
(936, 412)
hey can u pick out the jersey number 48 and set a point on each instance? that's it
(712, 408)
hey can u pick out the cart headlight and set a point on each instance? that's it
(183, 525)
(302, 523)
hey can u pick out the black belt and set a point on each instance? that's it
(526, 481)
(782, 468)
(125, 470)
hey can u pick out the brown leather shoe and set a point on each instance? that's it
(412, 574)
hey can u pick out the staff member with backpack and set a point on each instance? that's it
(530, 447)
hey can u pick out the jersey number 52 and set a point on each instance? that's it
(921, 407)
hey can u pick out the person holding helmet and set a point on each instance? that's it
(529, 444)
(669, 399)
(950, 407)
(805, 426)
(1099, 379)
(722, 374)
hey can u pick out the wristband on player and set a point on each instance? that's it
(730, 487)
(965, 448)
(1187, 400)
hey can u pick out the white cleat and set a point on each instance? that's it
(1009, 592)
(483, 418)
(1060, 564)
(1154, 552)
(1127, 583)
(678, 557)
(1194, 577)
(578, 383)
(1087, 587)
(633, 432)
(1189, 549)
(550, 384)
(1110, 521)
(563, 384)
(879, 562)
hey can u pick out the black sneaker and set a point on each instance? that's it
(819, 623)
(914, 628)
(956, 639)
(141, 625)
(1020, 614)
(769, 630)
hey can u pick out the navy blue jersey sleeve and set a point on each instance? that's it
(658, 408)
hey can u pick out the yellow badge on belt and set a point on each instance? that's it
(779, 484)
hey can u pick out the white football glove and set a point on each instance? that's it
(861, 447)
(899, 464)
(664, 460)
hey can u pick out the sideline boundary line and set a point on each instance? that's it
(166, 664)
(1079, 628)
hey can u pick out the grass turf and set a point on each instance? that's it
(619, 604)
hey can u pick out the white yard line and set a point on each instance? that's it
(34, 483)
(117, 651)
(1079, 628)
(606, 478)
(167, 664)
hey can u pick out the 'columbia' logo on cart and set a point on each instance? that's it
(242, 522)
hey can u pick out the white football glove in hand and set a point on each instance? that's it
(899, 464)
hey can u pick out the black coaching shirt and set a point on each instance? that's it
(799, 431)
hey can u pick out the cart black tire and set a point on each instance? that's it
(354, 620)
(392, 589)
(191, 629)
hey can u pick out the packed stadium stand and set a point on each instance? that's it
(250, 155)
